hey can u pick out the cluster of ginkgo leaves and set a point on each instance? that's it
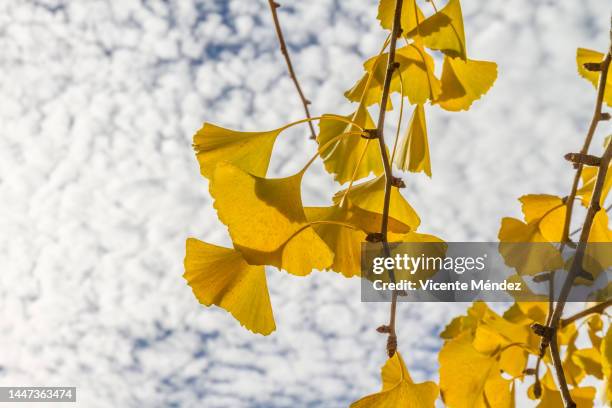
(484, 353)
(510, 335)
(265, 217)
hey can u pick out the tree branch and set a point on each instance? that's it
(283, 47)
(598, 308)
(594, 207)
(391, 66)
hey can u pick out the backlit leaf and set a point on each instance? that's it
(266, 220)
(369, 196)
(341, 158)
(346, 242)
(248, 150)
(589, 176)
(606, 361)
(443, 31)
(414, 147)
(408, 19)
(399, 390)
(548, 211)
(463, 82)
(220, 276)
(583, 56)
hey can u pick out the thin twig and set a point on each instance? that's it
(283, 47)
(577, 230)
(597, 309)
(391, 66)
(594, 207)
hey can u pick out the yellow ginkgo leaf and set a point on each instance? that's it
(583, 56)
(443, 31)
(414, 148)
(266, 220)
(416, 71)
(416, 67)
(370, 196)
(248, 150)
(220, 276)
(606, 361)
(551, 397)
(332, 225)
(548, 212)
(590, 361)
(597, 255)
(463, 82)
(464, 374)
(411, 15)
(349, 153)
(499, 392)
(519, 251)
(399, 390)
(589, 176)
(368, 90)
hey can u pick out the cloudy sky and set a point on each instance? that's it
(99, 187)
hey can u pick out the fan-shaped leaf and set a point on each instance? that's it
(443, 31)
(399, 390)
(583, 56)
(411, 14)
(414, 147)
(463, 82)
(370, 195)
(220, 276)
(248, 150)
(266, 220)
(341, 158)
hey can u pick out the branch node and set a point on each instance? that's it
(603, 116)
(394, 66)
(581, 158)
(307, 101)
(374, 237)
(543, 331)
(529, 371)
(543, 277)
(593, 66)
(397, 182)
(275, 4)
(370, 134)
(383, 329)
(537, 389)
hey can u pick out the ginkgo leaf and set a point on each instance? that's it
(589, 176)
(583, 56)
(519, 251)
(418, 81)
(597, 255)
(548, 211)
(266, 220)
(370, 196)
(220, 276)
(416, 71)
(606, 361)
(332, 225)
(248, 150)
(414, 147)
(463, 82)
(551, 398)
(411, 15)
(443, 31)
(351, 154)
(368, 90)
(464, 373)
(499, 392)
(399, 390)
(589, 359)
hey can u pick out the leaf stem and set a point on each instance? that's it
(283, 48)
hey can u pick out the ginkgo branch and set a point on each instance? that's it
(594, 207)
(283, 47)
(597, 309)
(391, 66)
